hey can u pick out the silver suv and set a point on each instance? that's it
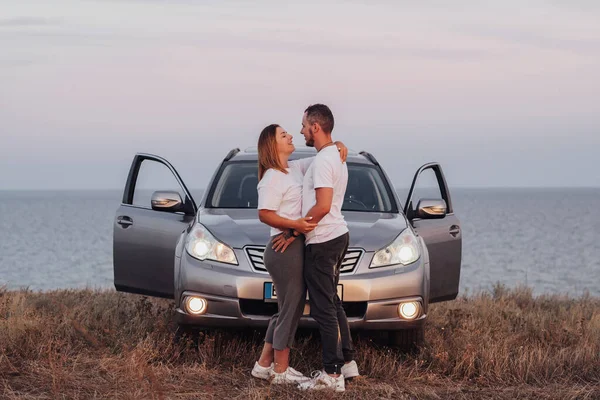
(208, 255)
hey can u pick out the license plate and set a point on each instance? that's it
(270, 294)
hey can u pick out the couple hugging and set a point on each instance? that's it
(301, 201)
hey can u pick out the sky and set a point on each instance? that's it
(501, 93)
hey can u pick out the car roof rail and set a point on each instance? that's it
(369, 157)
(232, 153)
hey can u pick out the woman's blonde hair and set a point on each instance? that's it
(267, 151)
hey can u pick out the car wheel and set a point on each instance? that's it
(408, 339)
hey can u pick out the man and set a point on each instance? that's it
(322, 198)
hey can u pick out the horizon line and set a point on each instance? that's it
(197, 188)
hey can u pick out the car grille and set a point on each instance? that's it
(256, 257)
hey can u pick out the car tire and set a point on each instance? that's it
(408, 340)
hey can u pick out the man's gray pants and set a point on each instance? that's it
(286, 270)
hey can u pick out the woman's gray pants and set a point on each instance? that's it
(286, 270)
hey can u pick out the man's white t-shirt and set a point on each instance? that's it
(326, 171)
(281, 192)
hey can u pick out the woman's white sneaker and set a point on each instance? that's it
(350, 370)
(290, 375)
(322, 381)
(261, 372)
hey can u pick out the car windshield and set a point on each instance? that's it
(235, 187)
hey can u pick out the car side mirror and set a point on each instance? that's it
(431, 208)
(166, 201)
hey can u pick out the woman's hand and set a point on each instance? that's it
(303, 225)
(281, 243)
(343, 151)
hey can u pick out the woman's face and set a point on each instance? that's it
(284, 141)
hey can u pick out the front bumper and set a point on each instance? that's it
(226, 312)
(235, 296)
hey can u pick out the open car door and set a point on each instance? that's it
(433, 218)
(156, 208)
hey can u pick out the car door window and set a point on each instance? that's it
(426, 187)
(154, 176)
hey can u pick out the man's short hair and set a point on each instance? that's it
(322, 115)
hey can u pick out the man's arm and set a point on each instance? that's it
(321, 209)
(323, 178)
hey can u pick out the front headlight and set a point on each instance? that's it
(201, 244)
(403, 250)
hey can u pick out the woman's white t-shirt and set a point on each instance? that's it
(281, 192)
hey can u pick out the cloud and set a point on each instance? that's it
(19, 22)
(377, 46)
(65, 37)
(17, 63)
(584, 6)
(517, 36)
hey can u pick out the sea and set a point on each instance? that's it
(545, 239)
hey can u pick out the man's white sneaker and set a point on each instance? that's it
(261, 372)
(290, 375)
(321, 381)
(350, 370)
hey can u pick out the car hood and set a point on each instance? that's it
(241, 227)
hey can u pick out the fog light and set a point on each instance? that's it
(195, 305)
(409, 310)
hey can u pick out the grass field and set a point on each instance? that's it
(84, 344)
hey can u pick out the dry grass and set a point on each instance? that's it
(102, 344)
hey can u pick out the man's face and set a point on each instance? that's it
(308, 132)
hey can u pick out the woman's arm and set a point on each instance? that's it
(270, 217)
(343, 150)
(270, 196)
(303, 163)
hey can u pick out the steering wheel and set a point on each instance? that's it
(351, 199)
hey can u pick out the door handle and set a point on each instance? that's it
(454, 230)
(124, 221)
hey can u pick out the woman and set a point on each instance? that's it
(280, 207)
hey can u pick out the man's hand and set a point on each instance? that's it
(343, 150)
(280, 242)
